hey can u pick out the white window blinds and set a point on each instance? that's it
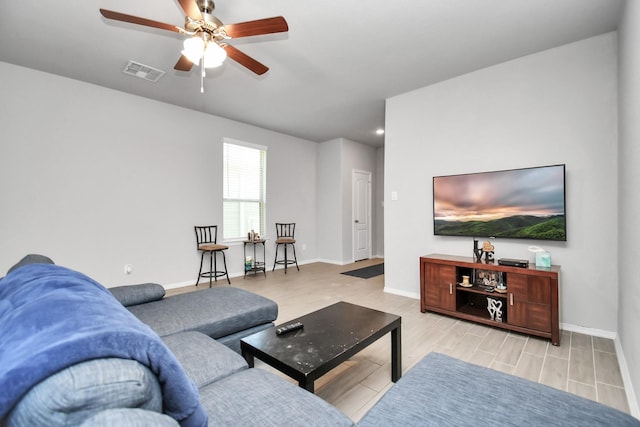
(244, 189)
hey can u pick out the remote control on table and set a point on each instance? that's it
(288, 328)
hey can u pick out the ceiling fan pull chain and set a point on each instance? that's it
(202, 76)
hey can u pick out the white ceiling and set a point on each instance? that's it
(329, 75)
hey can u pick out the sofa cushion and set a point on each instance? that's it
(213, 311)
(129, 295)
(77, 392)
(255, 397)
(203, 359)
(441, 390)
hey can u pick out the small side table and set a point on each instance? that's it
(257, 265)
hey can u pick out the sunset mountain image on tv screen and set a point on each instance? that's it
(526, 203)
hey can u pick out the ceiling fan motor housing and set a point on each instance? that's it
(211, 26)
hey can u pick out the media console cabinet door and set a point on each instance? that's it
(529, 301)
(440, 286)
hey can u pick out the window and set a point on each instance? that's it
(244, 189)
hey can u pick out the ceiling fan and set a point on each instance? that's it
(207, 35)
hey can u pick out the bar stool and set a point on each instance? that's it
(206, 238)
(285, 235)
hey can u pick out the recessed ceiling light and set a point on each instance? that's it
(380, 132)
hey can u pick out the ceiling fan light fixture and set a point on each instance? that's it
(193, 49)
(214, 55)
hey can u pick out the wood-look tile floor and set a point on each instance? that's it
(582, 364)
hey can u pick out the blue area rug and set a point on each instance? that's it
(367, 272)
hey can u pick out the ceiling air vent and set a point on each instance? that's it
(143, 71)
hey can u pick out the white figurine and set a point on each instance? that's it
(495, 309)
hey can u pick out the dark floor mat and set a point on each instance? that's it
(367, 272)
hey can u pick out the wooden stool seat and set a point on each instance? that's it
(213, 247)
(283, 240)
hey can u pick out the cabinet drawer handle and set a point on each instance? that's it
(511, 298)
(450, 288)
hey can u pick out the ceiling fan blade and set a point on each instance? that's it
(191, 9)
(245, 60)
(109, 14)
(183, 64)
(255, 28)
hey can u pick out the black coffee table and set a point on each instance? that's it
(330, 336)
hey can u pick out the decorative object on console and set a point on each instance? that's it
(486, 278)
(494, 307)
(477, 252)
(543, 258)
(488, 250)
(501, 287)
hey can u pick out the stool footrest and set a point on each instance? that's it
(213, 274)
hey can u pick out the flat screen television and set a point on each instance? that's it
(526, 203)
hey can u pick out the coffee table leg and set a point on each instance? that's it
(396, 354)
(248, 357)
(307, 385)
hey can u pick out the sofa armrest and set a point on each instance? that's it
(129, 295)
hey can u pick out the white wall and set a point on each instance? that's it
(97, 178)
(329, 224)
(629, 181)
(557, 106)
(379, 203)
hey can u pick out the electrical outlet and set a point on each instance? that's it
(304, 246)
(128, 269)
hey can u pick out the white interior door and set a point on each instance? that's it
(361, 194)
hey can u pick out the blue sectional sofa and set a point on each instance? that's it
(442, 391)
(71, 353)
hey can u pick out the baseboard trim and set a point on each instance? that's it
(331, 261)
(401, 293)
(626, 379)
(588, 331)
(336, 262)
(622, 362)
(178, 285)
